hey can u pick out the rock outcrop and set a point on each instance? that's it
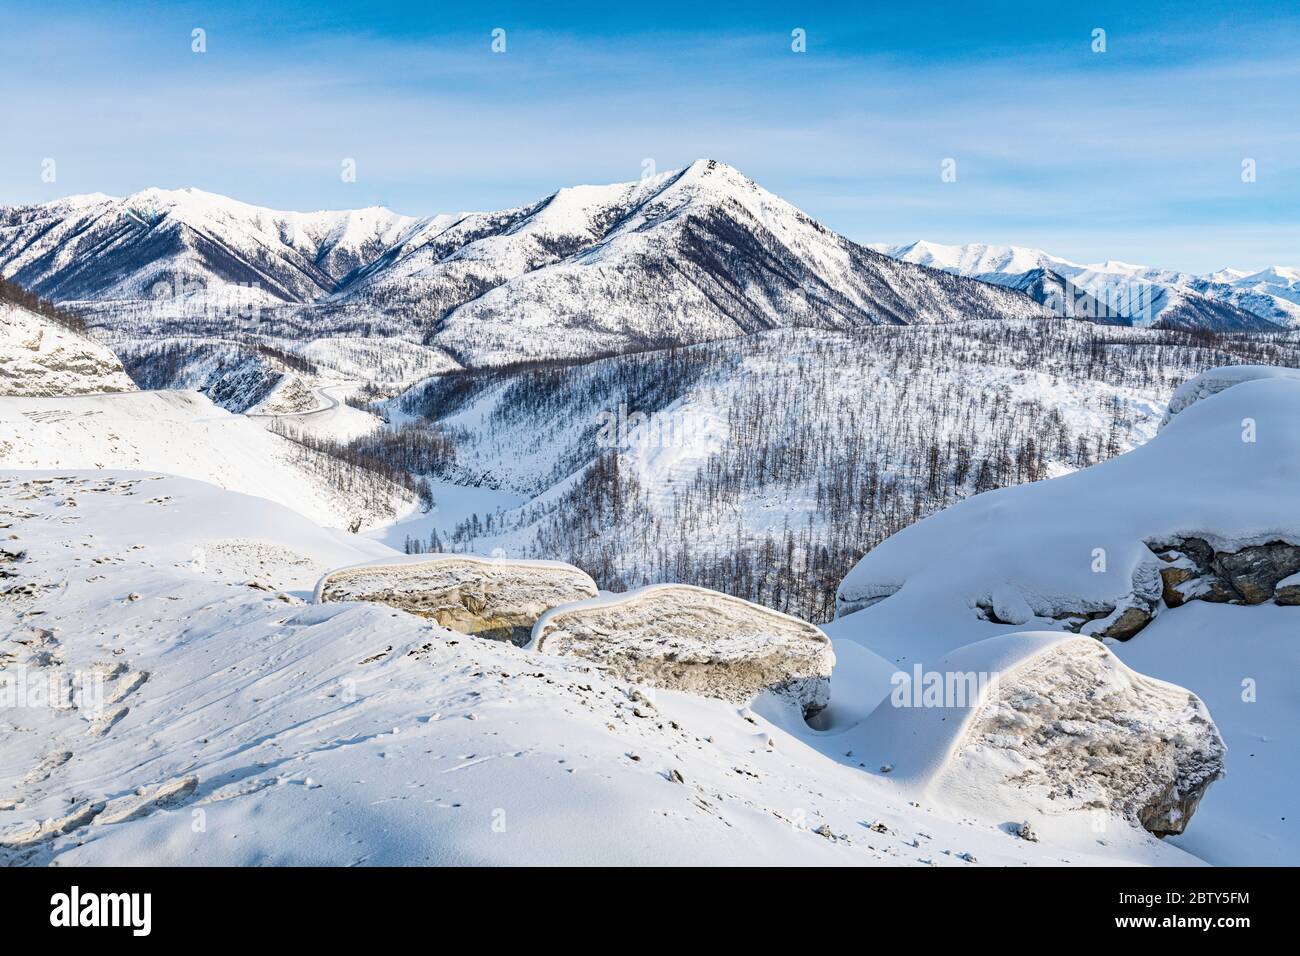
(493, 598)
(40, 358)
(687, 638)
(1192, 570)
(1052, 722)
(1186, 569)
(1288, 591)
(1076, 725)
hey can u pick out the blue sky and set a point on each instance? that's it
(1131, 154)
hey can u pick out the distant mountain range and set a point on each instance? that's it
(1229, 299)
(696, 254)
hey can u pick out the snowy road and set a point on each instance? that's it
(333, 418)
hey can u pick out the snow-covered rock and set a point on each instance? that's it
(1059, 718)
(38, 357)
(688, 638)
(489, 597)
(1288, 590)
(1214, 380)
(1224, 470)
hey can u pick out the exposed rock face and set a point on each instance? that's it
(487, 597)
(687, 638)
(1129, 622)
(1193, 570)
(1288, 591)
(40, 358)
(1075, 725)
(1190, 569)
(1255, 572)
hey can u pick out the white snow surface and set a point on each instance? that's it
(183, 433)
(239, 726)
(1212, 381)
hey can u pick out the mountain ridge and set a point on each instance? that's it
(688, 255)
(1225, 299)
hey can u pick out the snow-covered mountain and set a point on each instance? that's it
(696, 254)
(692, 255)
(1273, 293)
(161, 244)
(46, 354)
(1140, 295)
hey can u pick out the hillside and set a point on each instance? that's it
(767, 465)
(183, 433)
(215, 723)
(43, 352)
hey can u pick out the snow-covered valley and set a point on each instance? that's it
(765, 467)
(181, 696)
(647, 524)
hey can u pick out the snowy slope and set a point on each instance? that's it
(1040, 553)
(183, 433)
(224, 724)
(1145, 295)
(40, 357)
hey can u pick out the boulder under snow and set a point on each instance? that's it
(1055, 721)
(496, 598)
(688, 638)
(1209, 509)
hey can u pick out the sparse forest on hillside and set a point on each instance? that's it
(826, 443)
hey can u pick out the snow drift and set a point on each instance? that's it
(1214, 380)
